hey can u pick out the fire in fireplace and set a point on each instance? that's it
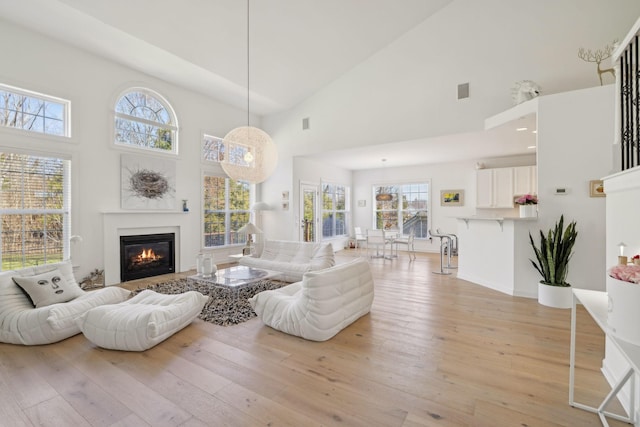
(146, 255)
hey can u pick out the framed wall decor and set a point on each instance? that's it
(596, 188)
(147, 182)
(451, 197)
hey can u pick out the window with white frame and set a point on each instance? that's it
(216, 150)
(34, 210)
(227, 207)
(34, 112)
(403, 207)
(213, 149)
(145, 120)
(335, 210)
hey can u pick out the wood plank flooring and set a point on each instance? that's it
(434, 351)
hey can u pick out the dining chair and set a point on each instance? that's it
(407, 240)
(375, 238)
(359, 238)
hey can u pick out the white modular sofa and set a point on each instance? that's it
(322, 304)
(22, 323)
(141, 322)
(292, 259)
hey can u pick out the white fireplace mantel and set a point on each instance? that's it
(126, 223)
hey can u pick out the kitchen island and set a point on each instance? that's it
(495, 252)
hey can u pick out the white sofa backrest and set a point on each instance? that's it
(13, 296)
(339, 286)
(323, 257)
(322, 304)
(289, 251)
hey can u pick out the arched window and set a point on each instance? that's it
(145, 120)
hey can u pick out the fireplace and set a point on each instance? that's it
(146, 255)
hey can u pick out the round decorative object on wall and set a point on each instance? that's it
(251, 155)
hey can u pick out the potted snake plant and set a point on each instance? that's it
(553, 256)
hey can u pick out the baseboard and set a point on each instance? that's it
(486, 284)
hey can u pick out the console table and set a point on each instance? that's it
(596, 304)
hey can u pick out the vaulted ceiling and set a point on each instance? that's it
(296, 46)
(299, 47)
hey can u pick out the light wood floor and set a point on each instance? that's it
(434, 351)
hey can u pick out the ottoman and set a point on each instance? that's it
(142, 321)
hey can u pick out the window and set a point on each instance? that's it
(402, 206)
(34, 112)
(145, 120)
(334, 210)
(34, 210)
(226, 209)
(212, 149)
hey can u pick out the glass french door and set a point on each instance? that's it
(308, 212)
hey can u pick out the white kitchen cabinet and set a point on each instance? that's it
(494, 188)
(484, 188)
(525, 180)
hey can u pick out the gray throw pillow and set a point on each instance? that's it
(48, 288)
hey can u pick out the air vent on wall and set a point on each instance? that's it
(463, 90)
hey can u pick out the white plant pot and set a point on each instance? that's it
(555, 296)
(528, 211)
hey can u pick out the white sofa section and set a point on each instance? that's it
(322, 304)
(292, 259)
(22, 323)
(141, 322)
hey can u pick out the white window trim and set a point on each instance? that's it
(347, 209)
(399, 211)
(174, 152)
(212, 172)
(64, 102)
(66, 209)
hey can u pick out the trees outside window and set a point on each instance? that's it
(227, 205)
(35, 210)
(145, 120)
(213, 149)
(34, 112)
(334, 210)
(402, 207)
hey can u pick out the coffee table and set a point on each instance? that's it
(234, 278)
(235, 285)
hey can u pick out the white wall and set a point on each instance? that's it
(441, 176)
(37, 63)
(575, 133)
(407, 91)
(444, 176)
